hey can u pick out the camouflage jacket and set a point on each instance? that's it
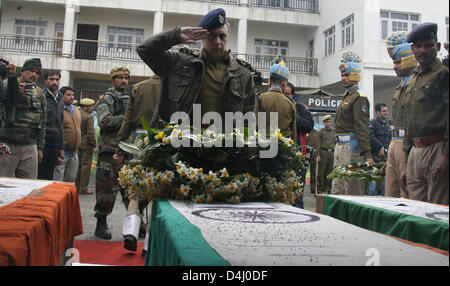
(182, 75)
(27, 124)
(110, 110)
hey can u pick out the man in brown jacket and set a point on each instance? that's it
(88, 146)
(211, 77)
(67, 171)
(426, 120)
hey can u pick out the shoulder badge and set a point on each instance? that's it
(190, 51)
(245, 64)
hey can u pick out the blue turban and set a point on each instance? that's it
(352, 65)
(278, 67)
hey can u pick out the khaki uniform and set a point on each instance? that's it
(352, 130)
(426, 129)
(327, 141)
(312, 140)
(275, 101)
(86, 151)
(396, 162)
(142, 103)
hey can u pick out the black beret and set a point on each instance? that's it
(423, 31)
(214, 19)
(32, 64)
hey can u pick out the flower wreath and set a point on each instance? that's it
(208, 173)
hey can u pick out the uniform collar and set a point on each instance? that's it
(351, 89)
(435, 66)
(276, 88)
(206, 57)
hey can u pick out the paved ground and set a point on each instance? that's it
(115, 220)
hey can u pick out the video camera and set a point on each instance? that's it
(3, 65)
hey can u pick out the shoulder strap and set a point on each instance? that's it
(245, 64)
(189, 51)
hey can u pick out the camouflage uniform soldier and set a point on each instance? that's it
(88, 146)
(327, 140)
(25, 133)
(352, 126)
(110, 109)
(312, 140)
(426, 120)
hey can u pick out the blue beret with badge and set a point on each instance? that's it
(423, 31)
(214, 19)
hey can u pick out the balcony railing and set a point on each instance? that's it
(94, 50)
(311, 6)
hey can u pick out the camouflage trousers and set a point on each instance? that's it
(107, 186)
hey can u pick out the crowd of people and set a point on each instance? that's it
(43, 135)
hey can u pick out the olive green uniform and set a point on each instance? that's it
(396, 162)
(327, 141)
(312, 140)
(352, 129)
(110, 109)
(426, 128)
(25, 134)
(275, 101)
(86, 151)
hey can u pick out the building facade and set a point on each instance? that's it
(86, 38)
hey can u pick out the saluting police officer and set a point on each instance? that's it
(88, 146)
(25, 132)
(326, 142)
(404, 64)
(110, 109)
(211, 77)
(426, 120)
(351, 125)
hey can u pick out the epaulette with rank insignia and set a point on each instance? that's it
(189, 51)
(245, 64)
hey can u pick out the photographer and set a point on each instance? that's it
(380, 138)
(25, 128)
(8, 79)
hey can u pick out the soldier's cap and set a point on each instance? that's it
(214, 19)
(87, 102)
(278, 68)
(119, 71)
(32, 64)
(326, 117)
(423, 31)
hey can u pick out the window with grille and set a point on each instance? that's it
(397, 21)
(348, 31)
(330, 41)
(32, 28)
(271, 47)
(124, 39)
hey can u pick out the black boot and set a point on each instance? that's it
(130, 242)
(142, 229)
(102, 229)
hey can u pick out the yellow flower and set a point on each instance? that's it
(160, 135)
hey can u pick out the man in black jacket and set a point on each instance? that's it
(54, 140)
(380, 138)
(305, 124)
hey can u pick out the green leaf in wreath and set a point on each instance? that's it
(129, 147)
